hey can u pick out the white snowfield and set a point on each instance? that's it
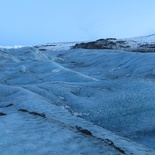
(56, 100)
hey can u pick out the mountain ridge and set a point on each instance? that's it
(135, 44)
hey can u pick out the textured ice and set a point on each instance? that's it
(76, 101)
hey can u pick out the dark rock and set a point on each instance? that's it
(122, 46)
(49, 45)
(100, 40)
(152, 46)
(42, 49)
(44, 46)
(143, 45)
(33, 113)
(121, 41)
(108, 141)
(38, 114)
(23, 110)
(2, 114)
(111, 143)
(98, 44)
(85, 131)
(111, 39)
(91, 45)
(9, 105)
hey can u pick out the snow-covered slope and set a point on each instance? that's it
(142, 39)
(56, 101)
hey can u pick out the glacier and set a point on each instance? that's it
(58, 100)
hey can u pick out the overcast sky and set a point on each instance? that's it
(32, 22)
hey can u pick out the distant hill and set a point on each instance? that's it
(137, 44)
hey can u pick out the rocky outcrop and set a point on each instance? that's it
(117, 44)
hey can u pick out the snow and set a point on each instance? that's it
(10, 47)
(143, 39)
(56, 46)
(63, 101)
